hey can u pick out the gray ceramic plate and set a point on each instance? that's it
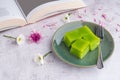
(90, 59)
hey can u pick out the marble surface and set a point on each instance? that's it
(16, 62)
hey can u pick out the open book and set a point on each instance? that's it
(14, 13)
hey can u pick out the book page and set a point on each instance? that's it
(9, 10)
(53, 8)
(29, 5)
(10, 15)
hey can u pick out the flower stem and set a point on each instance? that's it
(47, 54)
(9, 37)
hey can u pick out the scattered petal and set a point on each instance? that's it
(79, 16)
(44, 26)
(94, 19)
(118, 25)
(51, 24)
(20, 39)
(95, 13)
(85, 11)
(104, 16)
(100, 8)
(117, 29)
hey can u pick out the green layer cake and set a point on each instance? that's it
(80, 41)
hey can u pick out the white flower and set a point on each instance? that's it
(66, 18)
(39, 59)
(20, 39)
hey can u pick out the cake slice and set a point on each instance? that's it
(93, 40)
(88, 35)
(80, 41)
(79, 48)
(85, 30)
(70, 37)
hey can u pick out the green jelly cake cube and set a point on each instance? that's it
(88, 35)
(85, 30)
(93, 40)
(80, 41)
(70, 37)
(79, 48)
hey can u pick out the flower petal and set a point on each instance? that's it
(39, 59)
(20, 39)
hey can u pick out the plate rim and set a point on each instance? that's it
(69, 63)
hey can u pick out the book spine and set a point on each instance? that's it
(21, 11)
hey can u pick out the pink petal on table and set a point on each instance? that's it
(79, 16)
(100, 8)
(44, 26)
(94, 19)
(85, 11)
(51, 24)
(118, 25)
(104, 16)
(117, 29)
(95, 13)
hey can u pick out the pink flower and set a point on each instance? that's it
(35, 36)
